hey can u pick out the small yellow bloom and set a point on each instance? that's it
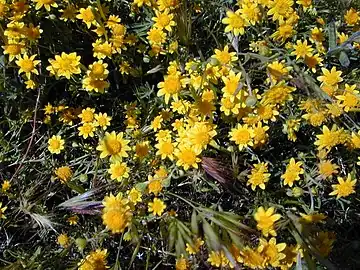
(28, 65)
(118, 171)
(344, 188)
(56, 144)
(157, 207)
(63, 240)
(5, 186)
(265, 220)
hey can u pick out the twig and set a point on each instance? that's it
(31, 138)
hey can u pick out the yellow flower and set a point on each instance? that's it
(332, 77)
(65, 65)
(187, 157)
(312, 61)
(181, 264)
(156, 36)
(328, 139)
(140, 3)
(284, 31)
(170, 87)
(113, 21)
(317, 35)
(218, 259)
(116, 213)
(312, 218)
(134, 196)
(316, 118)
(102, 120)
(278, 71)
(278, 94)
(69, 13)
(87, 115)
(235, 23)
(5, 186)
(157, 207)
(156, 123)
(198, 242)
(302, 49)
(350, 98)
(165, 149)
(2, 210)
(232, 85)
(265, 220)
(47, 4)
(291, 253)
(55, 144)
(272, 251)
(118, 171)
(98, 70)
(260, 135)
(327, 169)
(95, 260)
(352, 17)
(155, 185)
(225, 57)
(280, 9)
(200, 135)
(73, 220)
(64, 174)
(93, 84)
(113, 145)
(250, 13)
(63, 240)
(164, 20)
(344, 188)
(259, 176)
(86, 130)
(305, 3)
(13, 49)
(323, 242)
(142, 149)
(242, 135)
(292, 173)
(28, 65)
(102, 49)
(87, 16)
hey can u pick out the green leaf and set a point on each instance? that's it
(211, 236)
(332, 35)
(172, 235)
(194, 223)
(344, 59)
(141, 186)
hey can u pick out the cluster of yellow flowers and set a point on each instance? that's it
(216, 106)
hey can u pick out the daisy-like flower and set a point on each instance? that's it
(242, 135)
(102, 49)
(156, 36)
(280, 9)
(224, 56)
(13, 49)
(134, 196)
(47, 4)
(292, 173)
(302, 49)
(235, 23)
(86, 130)
(165, 149)
(113, 145)
(187, 157)
(170, 87)
(344, 187)
(63, 240)
(95, 260)
(352, 17)
(330, 77)
(102, 120)
(56, 144)
(259, 176)
(28, 65)
(350, 98)
(265, 220)
(164, 20)
(87, 115)
(156, 207)
(65, 65)
(64, 174)
(87, 16)
(118, 171)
